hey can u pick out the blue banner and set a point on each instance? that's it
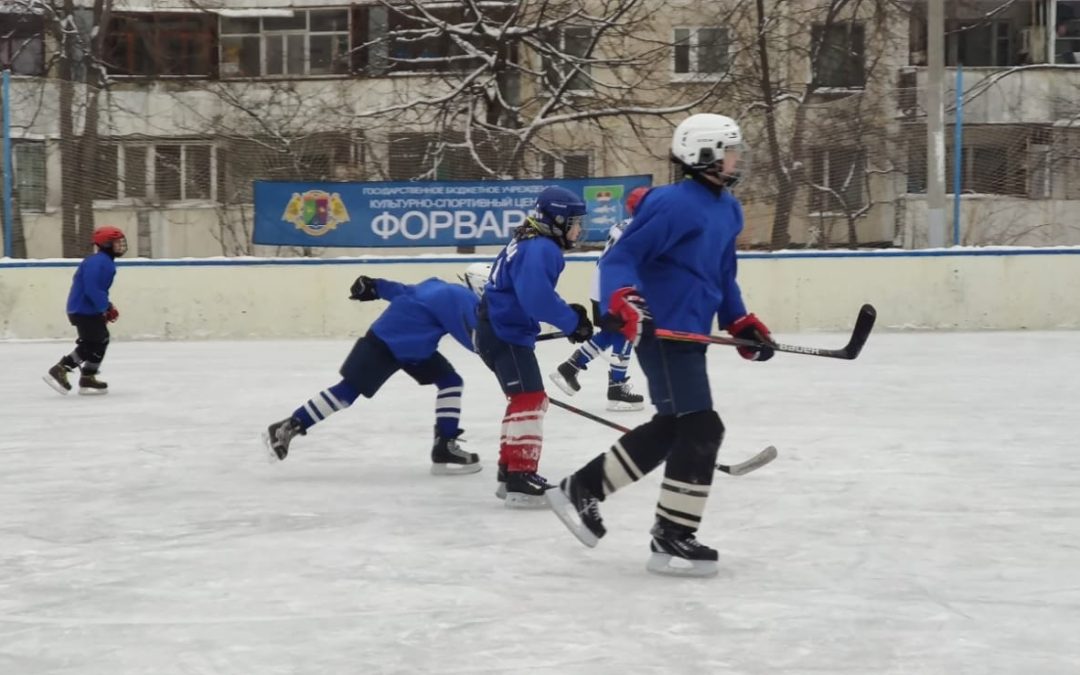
(435, 213)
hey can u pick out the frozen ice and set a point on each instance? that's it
(923, 517)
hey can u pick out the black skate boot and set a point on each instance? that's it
(89, 385)
(57, 378)
(578, 509)
(619, 397)
(500, 488)
(278, 436)
(565, 378)
(525, 490)
(448, 459)
(677, 552)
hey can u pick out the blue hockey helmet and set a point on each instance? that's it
(556, 213)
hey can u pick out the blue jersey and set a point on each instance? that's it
(419, 316)
(679, 252)
(521, 291)
(90, 286)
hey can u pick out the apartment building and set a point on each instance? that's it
(193, 101)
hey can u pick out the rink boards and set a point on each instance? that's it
(798, 291)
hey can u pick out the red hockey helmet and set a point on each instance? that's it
(111, 238)
(634, 198)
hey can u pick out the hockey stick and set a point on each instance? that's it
(864, 323)
(754, 463)
(550, 336)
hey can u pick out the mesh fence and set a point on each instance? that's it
(840, 169)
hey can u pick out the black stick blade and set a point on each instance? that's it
(864, 323)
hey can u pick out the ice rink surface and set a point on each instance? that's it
(923, 517)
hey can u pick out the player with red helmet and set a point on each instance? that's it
(89, 310)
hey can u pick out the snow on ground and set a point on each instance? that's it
(922, 518)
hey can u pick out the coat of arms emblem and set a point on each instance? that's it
(315, 212)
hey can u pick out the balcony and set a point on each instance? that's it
(1031, 94)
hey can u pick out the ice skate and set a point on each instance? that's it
(278, 436)
(565, 378)
(57, 378)
(525, 490)
(89, 385)
(500, 487)
(677, 552)
(578, 509)
(449, 459)
(620, 398)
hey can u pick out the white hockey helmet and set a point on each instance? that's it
(476, 277)
(704, 141)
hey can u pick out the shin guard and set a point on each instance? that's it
(690, 466)
(523, 431)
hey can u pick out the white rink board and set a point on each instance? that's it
(961, 289)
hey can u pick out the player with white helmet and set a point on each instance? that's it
(674, 268)
(619, 395)
(405, 337)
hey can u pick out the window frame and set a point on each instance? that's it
(341, 62)
(554, 166)
(150, 187)
(558, 36)
(693, 45)
(29, 28)
(839, 84)
(23, 182)
(822, 204)
(158, 30)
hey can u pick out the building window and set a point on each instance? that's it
(568, 166)
(29, 158)
(181, 171)
(838, 180)
(310, 42)
(318, 157)
(987, 169)
(701, 52)
(983, 43)
(572, 45)
(22, 47)
(840, 61)
(160, 45)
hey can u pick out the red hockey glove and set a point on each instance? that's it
(112, 313)
(629, 308)
(750, 327)
(584, 329)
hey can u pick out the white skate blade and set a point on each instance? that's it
(517, 500)
(569, 516)
(624, 406)
(668, 565)
(55, 385)
(271, 455)
(561, 383)
(86, 391)
(500, 490)
(448, 469)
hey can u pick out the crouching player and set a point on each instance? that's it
(404, 337)
(520, 294)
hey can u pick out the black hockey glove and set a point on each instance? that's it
(584, 329)
(363, 289)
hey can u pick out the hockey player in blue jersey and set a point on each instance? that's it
(90, 311)
(674, 268)
(520, 294)
(405, 337)
(619, 395)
